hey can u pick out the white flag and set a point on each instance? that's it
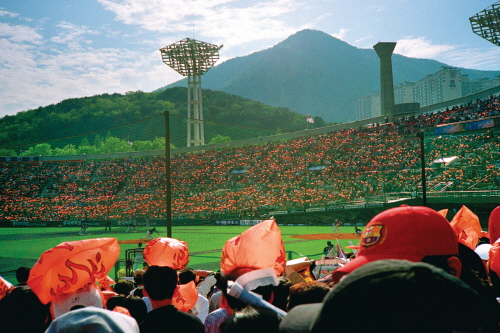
(310, 120)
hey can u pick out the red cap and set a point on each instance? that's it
(404, 232)
(494, 225)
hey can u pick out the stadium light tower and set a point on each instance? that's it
(192, 58)
(486, 23)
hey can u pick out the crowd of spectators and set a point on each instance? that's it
(305, 172)
(421, 274)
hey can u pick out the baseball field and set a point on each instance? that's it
(22, 246)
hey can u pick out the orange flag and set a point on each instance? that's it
(466, 226)
(185, 296)
(167, 252)
(5, 286)
(72, 266)
(259, 247)
(106, 283)
(443, 212)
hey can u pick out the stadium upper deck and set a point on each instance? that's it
(305, 172)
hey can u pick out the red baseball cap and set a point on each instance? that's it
(404, 232)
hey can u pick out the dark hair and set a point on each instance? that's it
(306, 293)
(253, 319)
(123, 287)
(138, 292)
(22, 311)
(22, 274)
(281, 292)
(136, 307)
(115, 301)
(187, 275)
(160, 282)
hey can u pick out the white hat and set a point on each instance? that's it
(482, 250)
(93, 319)
(66, 302)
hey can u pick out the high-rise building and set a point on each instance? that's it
(368, 106)
(403, 93)
(438, 87)
(473, 86)
(441, 86)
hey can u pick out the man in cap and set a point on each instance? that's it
(406, 232)
(395, 296)
(93, 319)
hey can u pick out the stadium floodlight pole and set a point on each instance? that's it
(421, 136)
(168, 183)
(486, 23)
(192, 58)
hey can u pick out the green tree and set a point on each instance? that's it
(97, 141)
(41, 149)
(81, 150)
(7, 152)
(68, 150)
(115, 145)
(219, 139)
(84, 142)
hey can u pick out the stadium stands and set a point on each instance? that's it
(248, 181)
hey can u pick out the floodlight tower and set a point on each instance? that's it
(486, 23)
(192, 58)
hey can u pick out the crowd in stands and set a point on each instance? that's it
(305, 172)
(412, 266)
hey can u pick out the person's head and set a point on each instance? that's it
(138, 274)
(22, 274)
(160, 282)
(136, 307)
(253, 319)
(329, 243)
(187, 275)
(123, 287)
(115, 301)
(21, 311)
(417, 296)
(281, 293)
(139, 244)
(405, 232)
(306, 293)
(92, 319)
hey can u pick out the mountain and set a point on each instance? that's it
(314, 73)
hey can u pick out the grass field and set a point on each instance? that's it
(22, 246)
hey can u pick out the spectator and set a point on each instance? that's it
(306, 293)
(405, 232)
(419, 298)
(22, 275)
(200, 309)
(123, 287)
(159, 285)
(253, 319)
(21, 311)
(92, 319)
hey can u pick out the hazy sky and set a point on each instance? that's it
(57, 49)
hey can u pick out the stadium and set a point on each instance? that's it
(305, 180)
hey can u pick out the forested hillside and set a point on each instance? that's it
(72, 118)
